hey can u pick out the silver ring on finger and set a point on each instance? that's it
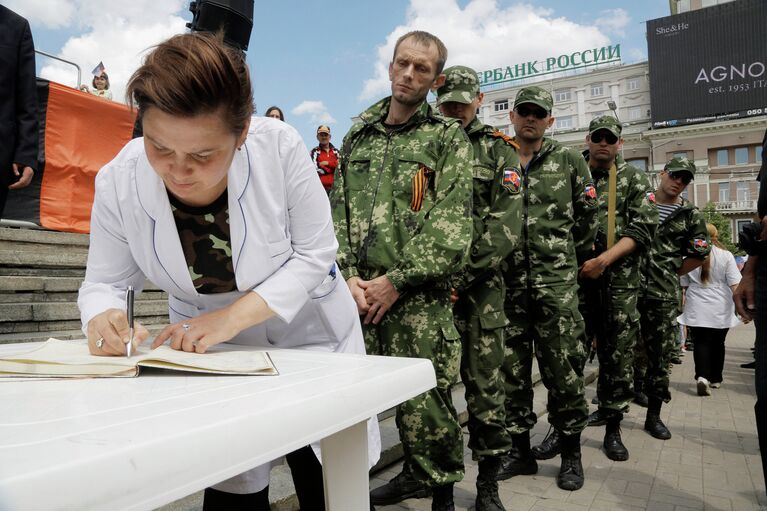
(186, 326)
(100, 342)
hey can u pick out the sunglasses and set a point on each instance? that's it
(604, 135)
(525, 111)
(680, 175)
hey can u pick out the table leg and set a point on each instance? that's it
(345, 469)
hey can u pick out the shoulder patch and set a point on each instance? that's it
(651, 197)
(503, 136)
(511, 180)
(700, 245)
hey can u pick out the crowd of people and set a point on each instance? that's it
(442, 238)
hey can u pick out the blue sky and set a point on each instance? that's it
(324, 62)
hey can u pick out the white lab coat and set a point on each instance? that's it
(283, 248)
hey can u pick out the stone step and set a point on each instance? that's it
(35, 256)
(48, 297)
(43, 237)
(51, 284)
(73, 332)
(17, 312)
(25, 331)
(15, 271)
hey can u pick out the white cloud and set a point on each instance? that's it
(116, 33)
(316, 110)
(613, 21)
(484, 36)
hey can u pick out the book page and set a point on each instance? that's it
(72, 358)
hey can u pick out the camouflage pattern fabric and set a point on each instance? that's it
(479, 316)
(205, 240)
(545, 321)
(461, 85)
(606, 122)
(559, 228)
(421, 325)
(636, 217)
(535, 95)
(379, 234)
(683, 234)
(660, 332)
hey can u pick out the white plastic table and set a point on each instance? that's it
(139, 443)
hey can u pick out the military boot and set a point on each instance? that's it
(613, 445)
(550, 446)
(652, 422)
(402, 487)
(570, 476)
(442, 498)
(487, 496)
(520, 460)
(598, 418)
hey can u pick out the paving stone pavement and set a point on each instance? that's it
(711, 463)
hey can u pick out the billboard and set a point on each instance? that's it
(709, 64)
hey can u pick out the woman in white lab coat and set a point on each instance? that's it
(234, 226)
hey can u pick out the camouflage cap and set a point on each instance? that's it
(461, 85)
(680, 163)
(536, 96)
(606, 122)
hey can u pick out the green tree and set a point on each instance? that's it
(722, 224)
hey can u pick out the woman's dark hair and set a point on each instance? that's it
(104, 75)
(279, 111)
(194, 74)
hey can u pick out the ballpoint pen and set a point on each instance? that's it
(129, 301)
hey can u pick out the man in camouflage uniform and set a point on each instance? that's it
(610, 279)
(680, 245)
(559, 227)
(402, 211)
(497, 215)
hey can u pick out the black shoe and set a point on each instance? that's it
(550, 447)
(402, 487)
(640, 398)
(517, 463)
(570, 475)
(750, 365)
(655, 427)
(442, 500)
(613, 445)
(597, 418)
(487, 496)
(676, 359)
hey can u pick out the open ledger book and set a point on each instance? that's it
(56, 358)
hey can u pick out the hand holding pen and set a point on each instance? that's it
(131, 330)
(114, 333)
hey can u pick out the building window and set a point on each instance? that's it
(594, 115)
(680, 154)
(741, 155)
(632, 84)
(635, 112)
(724, 192)
(564, 123)
(597, 89)
(562, 95)
(501, 105)
(503, 129)
(739, 225)
(759, 154)
(722, 157)
(743, 189)
(640, 163)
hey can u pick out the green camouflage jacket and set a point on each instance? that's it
(497, 215)
(636, 217)
(683, 234)
(401, 199)
(559, 219)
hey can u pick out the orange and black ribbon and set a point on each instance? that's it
(420, 182)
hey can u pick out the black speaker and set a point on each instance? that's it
(234, 17)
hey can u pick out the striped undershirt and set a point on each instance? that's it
(664, 210)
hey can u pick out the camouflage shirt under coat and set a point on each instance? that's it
(636, 217)
(559, 219)
(383, 224)
(683, 234)
(497, 207)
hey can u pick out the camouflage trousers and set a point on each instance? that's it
(660, 332)
(420, 325)
(545, 322)
(483, 356)
(615, 386)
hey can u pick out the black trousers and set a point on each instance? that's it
(760, 322)
(307, 479)
(709, 352)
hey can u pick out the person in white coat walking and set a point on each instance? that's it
(226, 214)
(709, 311)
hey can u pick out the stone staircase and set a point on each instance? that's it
(40, 273)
